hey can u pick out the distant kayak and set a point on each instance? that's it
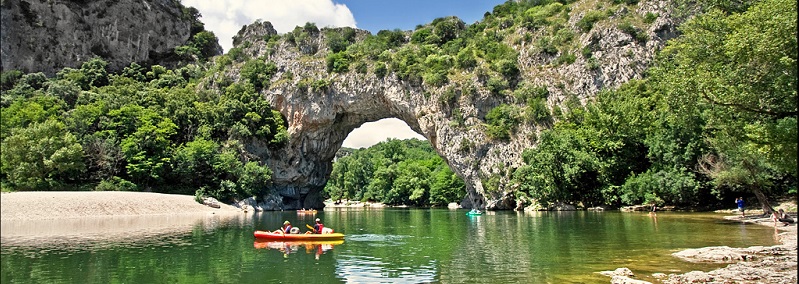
(266, 235)
(470, 213)
(306, 211)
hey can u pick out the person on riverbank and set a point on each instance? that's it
(781, 216)
(740, 202)
(285, 229)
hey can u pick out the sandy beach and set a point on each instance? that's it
(46, 205)
(56, 218)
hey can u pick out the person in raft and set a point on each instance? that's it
(781, 216)
(285, 229)
(740, 202)
(317, 228)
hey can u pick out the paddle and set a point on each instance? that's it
(309, 227)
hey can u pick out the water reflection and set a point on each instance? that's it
(316, 247)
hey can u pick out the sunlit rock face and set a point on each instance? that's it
(319, 118)
(46, 36)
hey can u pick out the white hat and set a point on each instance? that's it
(317, 220)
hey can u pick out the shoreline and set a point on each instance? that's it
(52, 205)
(756, 264)
(63, 218)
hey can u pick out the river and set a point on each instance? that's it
(381, 246)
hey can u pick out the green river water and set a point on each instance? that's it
(381, 246)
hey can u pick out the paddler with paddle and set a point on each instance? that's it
(317, 228)
(285, 229)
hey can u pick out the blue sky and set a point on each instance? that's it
(405, 15)
(226, 17)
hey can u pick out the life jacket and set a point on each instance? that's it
(318, 227)
(287, 230)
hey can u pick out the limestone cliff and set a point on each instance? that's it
(45, 36)
(323, 107)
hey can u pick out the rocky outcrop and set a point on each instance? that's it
(46, 36)
(774, 264)
(756, 264)
(322, 108)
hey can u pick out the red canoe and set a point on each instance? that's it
(298, 237)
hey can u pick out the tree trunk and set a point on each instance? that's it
(761, 197)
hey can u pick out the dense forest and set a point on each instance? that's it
(714, 118)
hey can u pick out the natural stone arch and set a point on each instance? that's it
(319, 121)
(322, 108)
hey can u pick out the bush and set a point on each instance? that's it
(199, 195)
(546, 45)
(591, 17)
(565, 58)
(9, 78)
(650, 17)
(508, 68)
(447, 29)
(537, 111)
(337, 62)
(502, 121)
(525, 94)
(465, 58)
(380, 70)
(393, 38)
(425, 36)
(116, 184)
(361, 67)
(258, 72)
(320, 85)
(496, 85)
(536, 17)
(339, 39)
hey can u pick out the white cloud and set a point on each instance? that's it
(371, 133)
(226, 17)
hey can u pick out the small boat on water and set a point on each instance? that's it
(303, 211)
(474, 213)
(266, 235)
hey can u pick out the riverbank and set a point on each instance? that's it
(773, 264)
(48, 205)
(59, 218)
(757, 264)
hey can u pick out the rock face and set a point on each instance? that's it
(45, 36)
(322, 108)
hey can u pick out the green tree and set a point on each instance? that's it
(742, 69)
(41, 155)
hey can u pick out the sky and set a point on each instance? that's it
(226, 17)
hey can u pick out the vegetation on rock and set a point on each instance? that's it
(713, 117)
